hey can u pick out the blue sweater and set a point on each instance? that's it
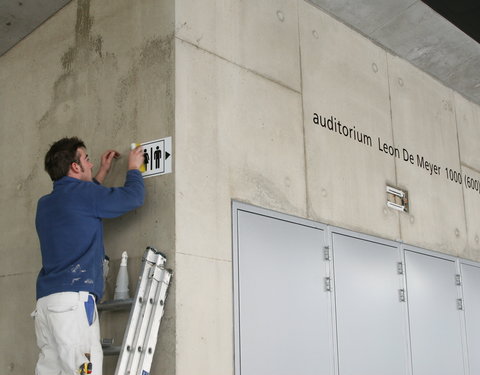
(70, 230)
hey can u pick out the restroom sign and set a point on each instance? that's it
(157, 156)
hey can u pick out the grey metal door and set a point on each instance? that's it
(371, 318)
(471, 294)
(435, 321)
(283, 316)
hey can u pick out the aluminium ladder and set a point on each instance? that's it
(146, 314)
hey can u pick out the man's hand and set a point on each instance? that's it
(135, 158)
(106, 163)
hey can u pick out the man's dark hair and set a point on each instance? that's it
(61, 154)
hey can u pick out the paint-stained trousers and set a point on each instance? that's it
(67, 330)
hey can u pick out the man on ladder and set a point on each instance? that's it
(70, 230)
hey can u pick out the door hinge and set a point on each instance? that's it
(460, 304)
(328, 284)
(400, 268)
(326, 252)
(401, 295)
(458, 279)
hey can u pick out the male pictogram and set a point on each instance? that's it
(157, 155)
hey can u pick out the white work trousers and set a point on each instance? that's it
(64, 335)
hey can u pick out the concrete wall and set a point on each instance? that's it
(101, 70)
(249, 78)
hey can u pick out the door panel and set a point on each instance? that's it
(371, 320)
(471, 294)
(435, 322)
(284, 312)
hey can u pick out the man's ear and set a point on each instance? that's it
(74, 169)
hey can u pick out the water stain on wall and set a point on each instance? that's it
(91, 97)
(152, 70)
(69, 86)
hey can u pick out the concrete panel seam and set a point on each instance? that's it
(460, 163)
(18, 274)
(395, 15)
(463, 164)
(238, 65)
(307, 195)
(393, 134)
(353, 28)
(454, 71)
(205, 257)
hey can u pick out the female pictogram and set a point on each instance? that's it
(146, 159)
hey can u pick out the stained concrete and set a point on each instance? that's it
(91, 72)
